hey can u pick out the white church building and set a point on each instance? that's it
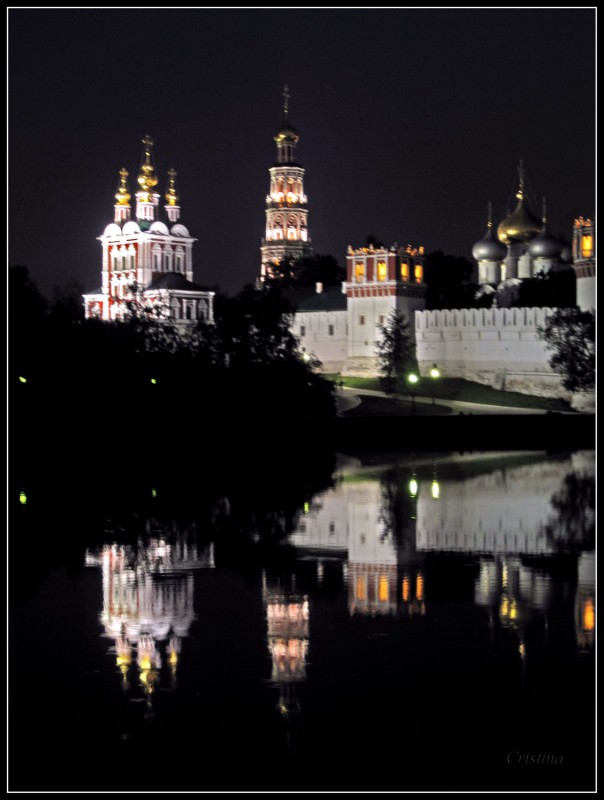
(148, 261)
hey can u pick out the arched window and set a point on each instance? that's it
(404, 271)
(359, 272)
(381, 271)
(419, 273)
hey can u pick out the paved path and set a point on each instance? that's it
(348, 398)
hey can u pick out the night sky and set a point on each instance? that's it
(411, 121)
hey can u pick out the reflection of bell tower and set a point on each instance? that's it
(286, 238)
(585, 605)
(287, 615)
(584, 262)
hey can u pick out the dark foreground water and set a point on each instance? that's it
(407, 623)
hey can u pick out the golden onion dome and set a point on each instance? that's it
(519, 226)
(286, 133)
(147, 178)
(171, 195)
(122, 195)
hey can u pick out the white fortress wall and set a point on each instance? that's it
(499, 347)
(324, 335)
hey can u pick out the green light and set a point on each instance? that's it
(413, 487)
(22, 498)
(153, 493)
(435, 372)
(306, 507)
(412, 378)
(153, 381)
(435, 490)
(22, 379)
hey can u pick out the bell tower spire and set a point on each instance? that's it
(286, 237)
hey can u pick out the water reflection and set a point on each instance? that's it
(515, 515)
(148, 602)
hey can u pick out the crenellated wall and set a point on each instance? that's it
(499, 347)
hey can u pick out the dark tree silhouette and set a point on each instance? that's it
(570, 334)
(396, 354)
(448, 281)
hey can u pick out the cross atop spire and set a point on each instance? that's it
(520, 192)
(544, 214)
(490, 220)
(285, 100)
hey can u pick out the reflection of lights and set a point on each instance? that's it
(383, 588)
(153, 492)
(435, 490)
(504, 577)
(22, 379)
(22, 498)
(413, 487)
(522, 650)
(419, 587)
(589, 615)
(153, 381)
(405, 589)
(361, 589)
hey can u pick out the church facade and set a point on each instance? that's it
(147, 262)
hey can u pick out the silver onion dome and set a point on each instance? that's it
(544, 245)
(489, 248)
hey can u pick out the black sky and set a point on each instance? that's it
(410, 122)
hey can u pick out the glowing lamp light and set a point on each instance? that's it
(435, 490)
(22, 379)
(306, 507)
(153, 492)
(413, 487)
(435, 372)
(22, 498)
(305, 357)
(153, 381)
(412, 378)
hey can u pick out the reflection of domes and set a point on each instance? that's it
(519, 226)
(489, 248)
(545, 245)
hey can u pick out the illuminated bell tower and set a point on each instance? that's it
(286, 238)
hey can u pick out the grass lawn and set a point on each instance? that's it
(468, 391)
(385, 407)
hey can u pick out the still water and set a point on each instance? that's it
(421, 623)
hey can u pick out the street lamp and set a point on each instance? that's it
(434, 373)
(412, 380)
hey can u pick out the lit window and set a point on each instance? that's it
(383, 589)
(360, 272)
(419, 273)
(362, 319)
(361, 589)
(405, 271)
(381, 270)
(587, 246)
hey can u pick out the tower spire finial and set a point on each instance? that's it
(490, 220)
(544, 213)
(285, 100)
(171, 195)
(520, 193)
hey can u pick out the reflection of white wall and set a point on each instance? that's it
(325, 526)
(504, 511)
